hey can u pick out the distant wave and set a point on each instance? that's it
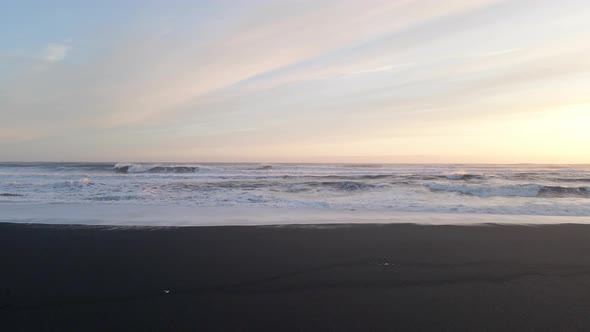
(342, 185)
(262, 167)
(162, 168)
(465, 176)
(113, 198)
(517, 190)
(138, 168)
(572, 179)
(348, 186)
(10, 195)
(557, 191)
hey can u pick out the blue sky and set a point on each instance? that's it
(312, 81)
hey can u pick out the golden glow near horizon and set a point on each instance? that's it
(452, 81)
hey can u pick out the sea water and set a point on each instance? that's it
(181, 193)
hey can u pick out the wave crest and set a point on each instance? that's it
(465, 176)
(138, 168)
(342, 185)
(517, 190)
(556, 191)
(10, 195)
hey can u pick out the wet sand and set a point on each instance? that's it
(295, 278)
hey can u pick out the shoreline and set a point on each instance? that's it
(187, 216)
(358, 277)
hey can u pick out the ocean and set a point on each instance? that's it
(155, 193)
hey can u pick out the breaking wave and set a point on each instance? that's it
(465, 176)
(344, 185)
(137, 168)
(556, 191)
(516, 190)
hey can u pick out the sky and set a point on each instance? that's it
(360, 81)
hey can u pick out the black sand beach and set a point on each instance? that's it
(350, 278)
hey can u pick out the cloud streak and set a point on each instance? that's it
(55, 52)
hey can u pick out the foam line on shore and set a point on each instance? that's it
(142, 215)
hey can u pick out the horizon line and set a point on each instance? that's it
(292, 163)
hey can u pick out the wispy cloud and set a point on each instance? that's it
(55, 52)
(496, 53)
(378, 69)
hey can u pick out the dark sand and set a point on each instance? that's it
(355, 278)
